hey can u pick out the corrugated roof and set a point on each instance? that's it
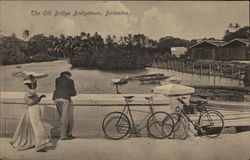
(216, 43)
(246, 41)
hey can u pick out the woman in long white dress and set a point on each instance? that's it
(30, 131)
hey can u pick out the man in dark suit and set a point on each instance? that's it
(65, 89)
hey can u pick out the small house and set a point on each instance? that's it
(205, 50)
(236, 49)
(177, 51)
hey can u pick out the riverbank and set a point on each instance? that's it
(226, 69)
(226, 147)
(222, 93)
(94, 81)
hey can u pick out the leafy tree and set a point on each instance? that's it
(165, 43)
(86, 50)
(11, 49)
(243, 33)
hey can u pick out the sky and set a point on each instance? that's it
(182, 19)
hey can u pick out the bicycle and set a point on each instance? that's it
(117, 125)
(210, 122)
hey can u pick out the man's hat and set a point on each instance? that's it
(65, 73)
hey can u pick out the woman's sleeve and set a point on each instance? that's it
(31, 98)
(28, 101)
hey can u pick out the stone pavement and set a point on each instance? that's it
(226, 147)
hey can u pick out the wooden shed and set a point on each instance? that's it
(205, 50)
(236, 49)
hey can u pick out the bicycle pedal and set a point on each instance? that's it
(138, 135)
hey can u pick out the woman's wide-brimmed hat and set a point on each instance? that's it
(25, 75)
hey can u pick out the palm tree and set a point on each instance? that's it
(237, 26)
(59, 45)
(121, 41)
(88, 35)
(109, 40)
(26, 34)
(83, 35)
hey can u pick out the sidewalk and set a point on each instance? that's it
(226, 147)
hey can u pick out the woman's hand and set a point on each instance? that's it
(42, 96)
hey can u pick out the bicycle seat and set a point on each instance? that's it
(129, 97)
(200, 102)
(149, 98)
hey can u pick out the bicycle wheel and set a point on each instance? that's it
(213, 110)
(116, 125)
(181, 126)
(211, 124)
(160, 125)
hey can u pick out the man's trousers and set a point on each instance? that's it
(65, 110)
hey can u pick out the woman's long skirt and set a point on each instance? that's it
(30, 131)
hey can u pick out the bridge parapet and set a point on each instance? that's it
(89, 111)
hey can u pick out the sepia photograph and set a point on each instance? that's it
(124, 80)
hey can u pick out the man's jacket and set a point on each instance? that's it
(65, 88)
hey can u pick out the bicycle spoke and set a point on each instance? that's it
(160, 125)
(116, 125)
(212, 124)
(180, 126)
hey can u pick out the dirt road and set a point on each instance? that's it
(226, 147)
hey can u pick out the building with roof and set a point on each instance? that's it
(236, 49)
(205, 50)
(177, 51)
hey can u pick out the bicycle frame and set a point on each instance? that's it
(129, 111)
(196, 126)
(202, 112)
(127, 106)
(124, 124)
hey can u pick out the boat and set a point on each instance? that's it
(152, 78)
(120, 80)
(175, 80)
(173, 89)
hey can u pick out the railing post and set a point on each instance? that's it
(168, 64)
(209, 69)
(201, 69)
(172, 64)
(183, 65)
(232, 67)
(193, 68)
(214, 79)
(221, 69)
(179, 66)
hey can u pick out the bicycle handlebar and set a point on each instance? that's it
(180, 100)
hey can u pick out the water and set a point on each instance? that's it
(95, 81)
